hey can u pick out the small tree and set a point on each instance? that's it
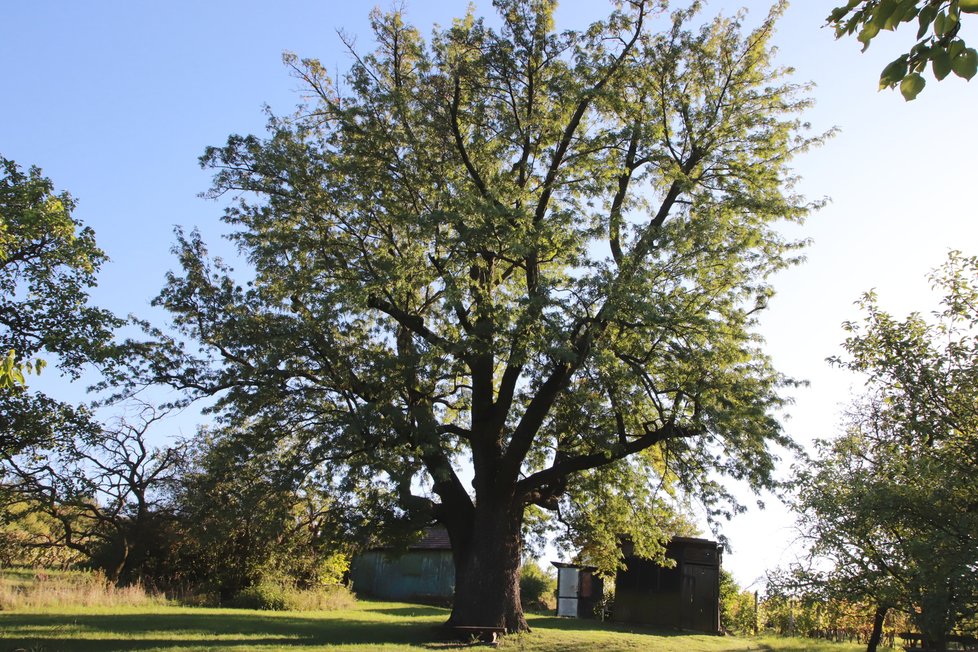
(891, 503)
(531, 253)
(99, 493)
(738, 608)
(250, 515)
(538, 588)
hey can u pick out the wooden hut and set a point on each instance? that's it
(686, 596)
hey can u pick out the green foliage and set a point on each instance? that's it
(938, 23)
(12, 372)
(48, 262)
(265, 595)
(540, 253)
(250, 519)
(22, 527)
(889, 503)
(538, 589)
(738, 613)
(269, 595)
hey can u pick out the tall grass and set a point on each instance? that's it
(27, 589)
(24, 588)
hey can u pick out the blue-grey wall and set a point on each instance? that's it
(415, 575)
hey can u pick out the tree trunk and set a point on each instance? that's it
(877, 635)
(113, 573)
(487, 570)
(936, 642)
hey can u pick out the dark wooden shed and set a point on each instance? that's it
(686, 596)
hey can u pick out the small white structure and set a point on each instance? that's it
(579, 590)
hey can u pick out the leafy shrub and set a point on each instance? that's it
(330, 597)
(737, 612)
(278, 596)
(538, 589)
(267, 596)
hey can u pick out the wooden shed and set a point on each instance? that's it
(686, 596)
(425, 572)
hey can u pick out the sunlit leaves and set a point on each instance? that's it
(48, 262)
(911, 86)
(965, 63)
(12, 372)
(939, 23)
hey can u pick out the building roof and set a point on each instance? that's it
(433, 538)
(560, 564)
(695, 541)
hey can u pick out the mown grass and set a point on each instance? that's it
(77, 611)
(371, 626)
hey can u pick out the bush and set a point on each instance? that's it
(537, 588)
(267, 596)
(278, 596)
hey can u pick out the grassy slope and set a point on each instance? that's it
(372, 626)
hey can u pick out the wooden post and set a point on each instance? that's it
(757, 613)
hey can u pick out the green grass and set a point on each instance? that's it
(371, 626)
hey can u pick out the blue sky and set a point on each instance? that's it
(115, 100)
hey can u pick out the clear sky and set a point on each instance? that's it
(115, 100)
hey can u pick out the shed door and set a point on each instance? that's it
(567, 591)
(700, 601)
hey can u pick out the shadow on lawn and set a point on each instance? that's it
(585, 624)
(202, 631)
(413, 611)
(245, 630)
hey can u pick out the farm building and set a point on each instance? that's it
(686, 596)
(425, 572)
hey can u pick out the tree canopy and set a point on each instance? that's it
(938, 42)
(48, 264)
(890, 504)
(505, 268)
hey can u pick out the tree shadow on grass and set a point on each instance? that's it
(205, 631)
(585, 624)
(413, 611)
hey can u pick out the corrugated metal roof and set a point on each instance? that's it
(435, 538)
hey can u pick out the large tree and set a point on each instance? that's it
(525, 257)
(891, 506)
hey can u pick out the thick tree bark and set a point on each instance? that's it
(877, 635)
(487, 570)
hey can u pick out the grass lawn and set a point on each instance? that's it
(371, 626)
